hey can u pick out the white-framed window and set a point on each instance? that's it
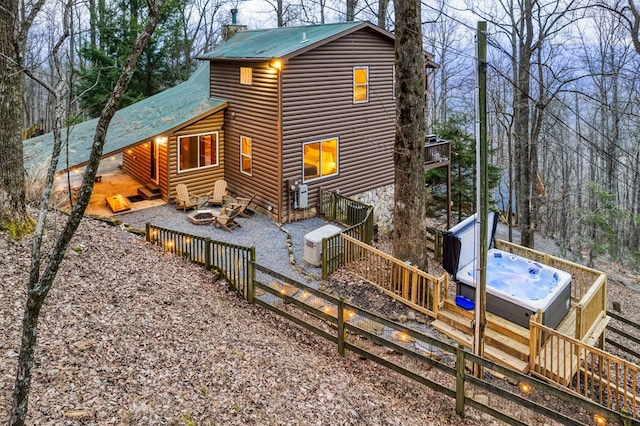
(197, 151)
(246, 158)
(360, 85)
(320, 159)
(246, 75)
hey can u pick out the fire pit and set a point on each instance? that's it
(201, 217)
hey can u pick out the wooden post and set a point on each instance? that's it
(533, 343)
(341, 327)
(251, 276)
(148, 230)
(207, 253)
(626, 418)
(460, 380)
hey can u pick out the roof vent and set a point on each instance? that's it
(304, 37)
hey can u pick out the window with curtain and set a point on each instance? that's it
(197, 151)
(360, 85)
(320, 159)
(245, 155)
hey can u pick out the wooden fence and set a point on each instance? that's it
(398, 279)
(601, 377)
(628, 331)
(434, 243)
(605, 378)
(232, 261)
(354, 214)
(517, 400)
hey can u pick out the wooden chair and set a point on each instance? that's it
(227, 219)
(184, 200)
(219, 191)
(243, 203)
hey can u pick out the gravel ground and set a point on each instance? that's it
(269, 238)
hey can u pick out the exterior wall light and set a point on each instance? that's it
(162, 139)
(276, 65)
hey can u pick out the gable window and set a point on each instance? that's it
(360, 84)
(245, 155)
(246, 75)
(197, 151)
(320, 159)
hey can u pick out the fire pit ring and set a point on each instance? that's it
(202, 217)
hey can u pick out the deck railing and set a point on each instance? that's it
(591, 308)
(230, 260)
(601, 377)
(398, 279)
(437, 152)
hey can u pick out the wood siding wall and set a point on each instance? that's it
(317, 99)
(136, 161)
(199, 181)
(252, 112)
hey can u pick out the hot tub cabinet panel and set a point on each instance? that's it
(551, 317)
(517, 288)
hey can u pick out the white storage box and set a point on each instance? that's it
(313, 243)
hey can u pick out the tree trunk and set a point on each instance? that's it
(351, 10)
(39, 285)
(13, 211)
(409, 220)
(383, 5)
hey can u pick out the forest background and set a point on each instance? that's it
(563, 98)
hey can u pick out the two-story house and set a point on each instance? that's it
(277, 112)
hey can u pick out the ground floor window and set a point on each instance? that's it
(320, 159)
(197, 151)
(245, 155)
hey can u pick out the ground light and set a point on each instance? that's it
(524, 387)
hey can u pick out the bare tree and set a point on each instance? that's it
(40, 284)
(409, 220)
(13, 34)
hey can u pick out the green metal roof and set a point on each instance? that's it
(282, 42)
(136, 123)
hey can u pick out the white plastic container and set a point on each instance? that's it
(313, 243)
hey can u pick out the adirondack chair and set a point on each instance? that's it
(184, 200)
(219, 191)
(243, 203)
(227, 219)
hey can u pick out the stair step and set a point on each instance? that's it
(148, 195)
(507, 344)
(152, 187)
(490, 352)
(494, 322)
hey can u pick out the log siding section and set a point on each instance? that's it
(136, 162)
(252, 112)
(317, 103)
(199, 181)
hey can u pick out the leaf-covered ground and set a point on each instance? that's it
(131, 335)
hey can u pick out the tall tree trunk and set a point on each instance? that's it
(351, 10)
(383, 5)
(39, 285)
(409, 220)
(13, 211)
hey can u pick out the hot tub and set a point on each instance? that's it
(517, 288)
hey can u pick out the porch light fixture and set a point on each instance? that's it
(276, 65)
(162, 140)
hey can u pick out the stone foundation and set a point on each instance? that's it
(382, 201)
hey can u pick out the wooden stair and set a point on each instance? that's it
(505, 343)
(149, 192)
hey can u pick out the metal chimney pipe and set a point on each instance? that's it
(234, 13)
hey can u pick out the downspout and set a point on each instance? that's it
(279, 145)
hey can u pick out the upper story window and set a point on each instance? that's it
(320, 159)
(197, 151)
(246, 75)
(360, 84)
(245, 155)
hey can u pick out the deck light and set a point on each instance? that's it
(599, 420)
(524, 387)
